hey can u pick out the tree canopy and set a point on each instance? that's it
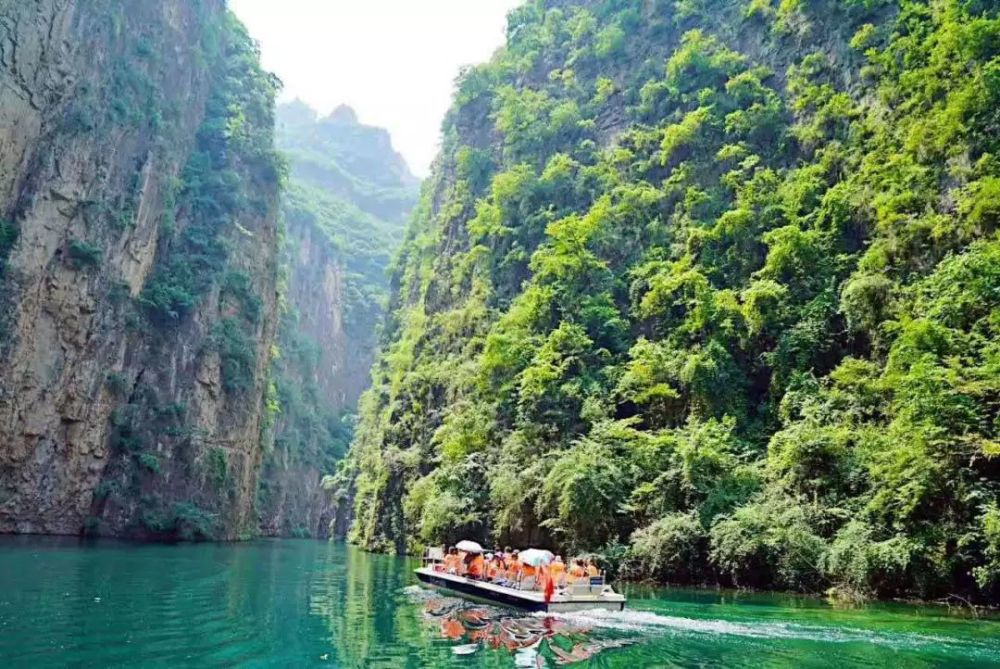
(710, 288)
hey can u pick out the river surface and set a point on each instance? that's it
(292, 603)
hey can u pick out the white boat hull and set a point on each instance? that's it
(522, 599)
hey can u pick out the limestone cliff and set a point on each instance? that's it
(345, 208)
(138, 267)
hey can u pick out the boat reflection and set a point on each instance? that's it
(536, 640)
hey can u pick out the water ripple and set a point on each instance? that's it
(308, 603)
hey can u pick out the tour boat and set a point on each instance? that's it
(582, 595)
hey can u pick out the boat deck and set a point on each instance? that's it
(529, 600)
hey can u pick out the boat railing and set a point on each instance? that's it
(583, 586)
(432, 555)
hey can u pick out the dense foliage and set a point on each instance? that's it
(231, 173)
(355, 193)
(712, 288)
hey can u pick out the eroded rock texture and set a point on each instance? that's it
(138, 267)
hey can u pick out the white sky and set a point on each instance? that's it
(393, 61)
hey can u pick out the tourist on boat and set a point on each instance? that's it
(547, 583)
(475, 566)
(529, 576)
(513, 569)
(592, 569)
(497, 571)
(501, 565)
(506, 556)
(452, 563)
(577, 571)
(446, 562)
(492, 567)
(557, 570)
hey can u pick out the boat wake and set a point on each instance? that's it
(566, 638)
(650, 623)
(418, 593)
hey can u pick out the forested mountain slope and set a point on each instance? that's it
(712, 288)
(138, 268)
(345, 207)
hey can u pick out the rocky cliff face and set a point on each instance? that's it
(138, 267)
(348, 197)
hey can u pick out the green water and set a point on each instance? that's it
(310, 603)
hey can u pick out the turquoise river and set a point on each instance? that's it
(296, 603)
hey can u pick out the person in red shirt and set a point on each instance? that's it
(548, 583)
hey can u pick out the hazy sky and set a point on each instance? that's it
(394, 61)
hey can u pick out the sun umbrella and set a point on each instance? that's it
(536, 557)
(469, 546)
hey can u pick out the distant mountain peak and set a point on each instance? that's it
(341, 155)
(344, 114)
(297, 112)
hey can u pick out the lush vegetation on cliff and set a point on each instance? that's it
(214, 214)
(712, 288)
(345, 207)
(350, 187)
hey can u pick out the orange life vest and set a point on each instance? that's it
(476, 566)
